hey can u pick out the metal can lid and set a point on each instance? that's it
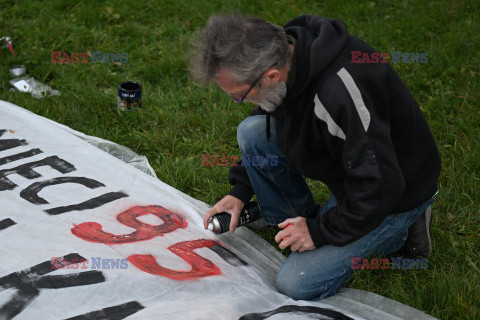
(214, 225)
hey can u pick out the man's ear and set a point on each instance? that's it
(272, 76)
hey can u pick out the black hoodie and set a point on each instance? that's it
(353, 126)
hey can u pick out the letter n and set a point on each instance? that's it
(96, 262)
(396, 56)
(246, 160)
(396, 262)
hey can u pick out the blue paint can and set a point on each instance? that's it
(129, 95)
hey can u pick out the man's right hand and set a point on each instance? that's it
(228, 204)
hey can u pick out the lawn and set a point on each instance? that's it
(179, 120)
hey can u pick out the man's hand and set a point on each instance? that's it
(229, 204)
(295, 234)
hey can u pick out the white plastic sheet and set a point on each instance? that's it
(84, 235)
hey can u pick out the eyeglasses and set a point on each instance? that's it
(253, 85)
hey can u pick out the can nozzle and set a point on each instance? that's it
(210, 226)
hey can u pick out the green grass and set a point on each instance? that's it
(179, 120)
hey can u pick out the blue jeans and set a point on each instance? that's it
(283, 194)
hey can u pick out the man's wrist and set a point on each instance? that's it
(314, 230)
(243, 193)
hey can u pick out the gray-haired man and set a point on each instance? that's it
(355, 127)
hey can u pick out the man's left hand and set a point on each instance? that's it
(296, 235)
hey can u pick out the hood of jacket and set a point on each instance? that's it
(319, 41)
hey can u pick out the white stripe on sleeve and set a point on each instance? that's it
(352, 88)
(323, 115)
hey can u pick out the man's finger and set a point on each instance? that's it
(286, 242)
(296, 247)
(279, 236)
(234, 222)
(284, 234)
(286, 223)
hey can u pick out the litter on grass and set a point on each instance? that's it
(33, 86)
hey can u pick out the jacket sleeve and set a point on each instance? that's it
(238, 177)
(355, 124)
(241, 186)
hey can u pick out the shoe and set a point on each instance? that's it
(419, 243)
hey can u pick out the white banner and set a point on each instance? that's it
(86, 236)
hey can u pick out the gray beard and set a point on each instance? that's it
(270, 99)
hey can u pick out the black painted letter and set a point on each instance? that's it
(31, 192)
(29, 281)
(26, 170)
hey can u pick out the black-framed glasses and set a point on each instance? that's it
(253, 85)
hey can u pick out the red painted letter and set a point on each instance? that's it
(92, 231)
(201, 267)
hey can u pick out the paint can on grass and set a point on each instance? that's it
(129, 95)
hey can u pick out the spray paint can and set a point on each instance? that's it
(220, 222)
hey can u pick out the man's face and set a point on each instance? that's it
(268, 96)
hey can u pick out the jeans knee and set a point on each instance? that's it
(299, 287)
(290, 286)
(249, 132)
